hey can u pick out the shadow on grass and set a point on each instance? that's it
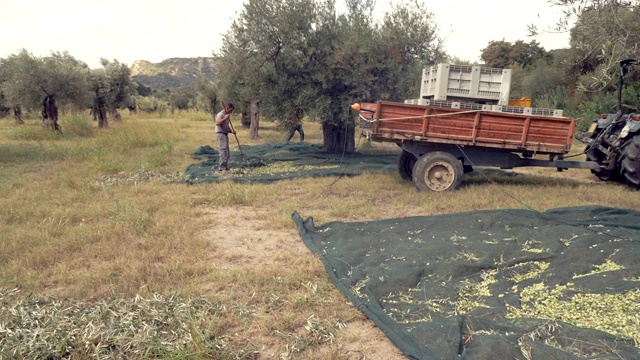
(502, 177)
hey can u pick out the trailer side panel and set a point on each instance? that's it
(512, 132)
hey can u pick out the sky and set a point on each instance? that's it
(154, 30)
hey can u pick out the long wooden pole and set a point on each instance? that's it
(234, 134)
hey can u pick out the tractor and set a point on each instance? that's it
(615, 140)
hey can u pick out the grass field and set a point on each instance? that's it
(109, 256)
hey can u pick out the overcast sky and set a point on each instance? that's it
(154, 30)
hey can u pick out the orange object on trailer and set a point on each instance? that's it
(522, 102)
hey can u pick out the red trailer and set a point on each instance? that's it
(440, 144)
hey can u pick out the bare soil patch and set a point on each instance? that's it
(241, 239)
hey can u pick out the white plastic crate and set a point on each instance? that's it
(475, 106)
(529, 110)
(449, 82)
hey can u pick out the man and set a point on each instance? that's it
(294, 122)
(297, 127)
(222, 137)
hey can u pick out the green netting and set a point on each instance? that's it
(502, 284)
(277, 161)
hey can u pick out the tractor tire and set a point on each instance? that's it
(406, 161)
(630, 161)
(604, 175)
(437, 171)
(599, 157)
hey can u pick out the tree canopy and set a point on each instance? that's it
(112, 88)
(602, 33)
(311, 59)
(504, 54)
(31, 82)
(301, 57)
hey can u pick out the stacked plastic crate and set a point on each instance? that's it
(471, 87)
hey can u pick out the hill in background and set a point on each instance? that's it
(173, 73)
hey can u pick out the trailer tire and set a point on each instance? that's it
(630, 161)
(406, 161)
(437, 171)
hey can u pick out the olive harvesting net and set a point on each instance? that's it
(493, 284)
(278, 161)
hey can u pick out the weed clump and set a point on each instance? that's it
(45, 327)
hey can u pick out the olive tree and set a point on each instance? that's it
(503, 54)
(182, 98)
(99, 85)
(5, 106)
(302, 57)
(121, 87)
(245, 58)
(207, 96)
(32, 82)
(602, 33)
(18, 95)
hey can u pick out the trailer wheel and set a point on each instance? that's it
(630, 160)
(405, 165)
(437, 171)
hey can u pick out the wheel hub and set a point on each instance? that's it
(439, 176)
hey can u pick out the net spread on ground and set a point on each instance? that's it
(498, 284)
(278, 161)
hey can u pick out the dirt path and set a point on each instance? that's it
(245, 241)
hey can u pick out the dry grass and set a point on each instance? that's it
(66, 234)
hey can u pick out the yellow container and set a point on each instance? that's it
(522, 102)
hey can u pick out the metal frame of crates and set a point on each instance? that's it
(498, 108)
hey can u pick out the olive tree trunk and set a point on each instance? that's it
(115, 114)
(245, 119)
(100, 112)
(50, 113)
(338, 138)
(255, 120)
(17, 114)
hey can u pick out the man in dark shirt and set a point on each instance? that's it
(297, 127)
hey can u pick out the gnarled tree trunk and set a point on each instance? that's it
(50, 113)
(100, 112)
(115, 114)
(255, 120)
(17, 114)
(338, 138)
(245, 119)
